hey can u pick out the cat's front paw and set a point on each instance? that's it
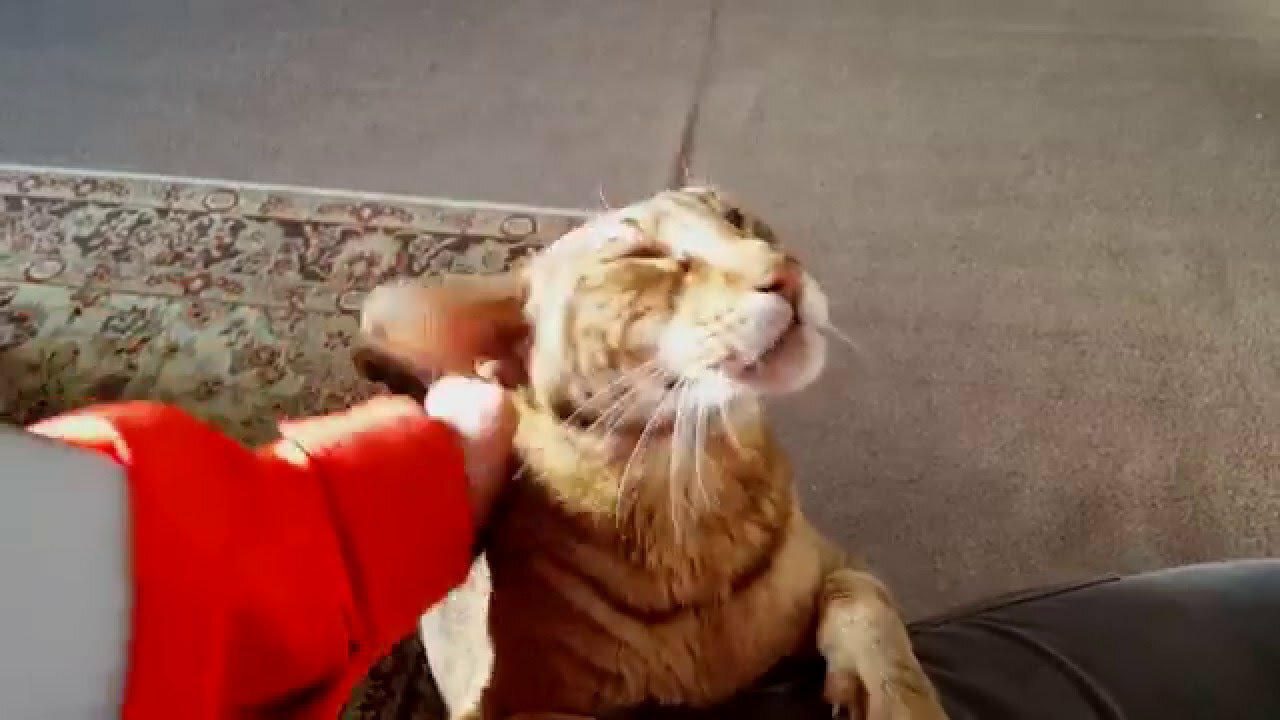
(872, 671)
(853, 698)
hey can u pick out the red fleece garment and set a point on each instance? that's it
(266, 583)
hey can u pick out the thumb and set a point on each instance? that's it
(472, 406)
(482, 414)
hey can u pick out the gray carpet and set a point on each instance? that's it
(1051, 225)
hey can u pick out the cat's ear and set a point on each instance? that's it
(411, 330)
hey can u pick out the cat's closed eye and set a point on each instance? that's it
(661, 258)
(734, 217)
(644, 251)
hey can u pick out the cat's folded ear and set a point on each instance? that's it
(411, 333)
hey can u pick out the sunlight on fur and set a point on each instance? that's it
(652, 549)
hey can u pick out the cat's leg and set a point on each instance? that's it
(871, 668)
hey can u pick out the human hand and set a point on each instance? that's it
(436, 330)
(483, 415)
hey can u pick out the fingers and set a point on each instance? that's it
(444, 329)
(421, 326)
(476, 408)
(483, 414)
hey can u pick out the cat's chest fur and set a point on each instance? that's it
(565, 640)
(590, 612)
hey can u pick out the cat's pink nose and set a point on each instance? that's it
(785, 280)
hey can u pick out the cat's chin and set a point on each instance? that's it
(791, 365)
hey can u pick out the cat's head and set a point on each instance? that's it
(680, 301)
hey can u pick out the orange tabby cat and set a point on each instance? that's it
(652, 549)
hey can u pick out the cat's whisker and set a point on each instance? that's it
(730, 430)
(690, 478)
(521, 471)
(633, 397)
(590, 404)
(639, 449)
(619, 417)
(646, 368)
(673, 448)
(621, 404)
(617, 410)
(612, 417)
(609, 433)
(676, 457)
(699, 447)
(843, 337)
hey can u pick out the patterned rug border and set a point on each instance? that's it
(248, 244)
(287, 202)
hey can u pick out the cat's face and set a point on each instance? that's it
(681, 300)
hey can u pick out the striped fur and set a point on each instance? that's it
(629, 565)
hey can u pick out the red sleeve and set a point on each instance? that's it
(266, 583)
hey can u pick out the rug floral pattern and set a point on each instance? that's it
(237, 303)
